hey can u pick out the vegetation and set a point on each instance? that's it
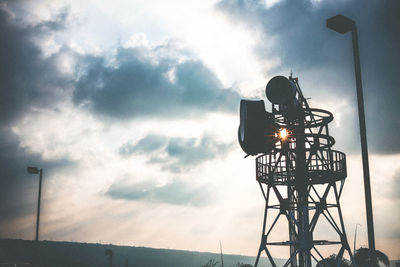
(364, 257)
(212, 263)
(67, 254)
(239, 264)
(331, 261)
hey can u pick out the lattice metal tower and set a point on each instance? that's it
(301, 177)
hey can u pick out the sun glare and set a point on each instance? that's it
(283, 134)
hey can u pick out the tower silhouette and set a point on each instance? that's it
(301, 177)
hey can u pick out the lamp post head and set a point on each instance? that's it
(340, 24)
(33, 170)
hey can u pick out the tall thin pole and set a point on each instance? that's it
(38, 208)
(363, 137)
(222, 258)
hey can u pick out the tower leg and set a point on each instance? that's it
(291, 224)
(345, 244)
(263, 237)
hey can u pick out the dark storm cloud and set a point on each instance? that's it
(296, 32)
(177, 154)
(176, 193)
(27, 80)
(139, 87)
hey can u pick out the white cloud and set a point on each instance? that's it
(271, 3)
(58, 133)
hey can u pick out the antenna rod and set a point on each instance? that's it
(222, 258)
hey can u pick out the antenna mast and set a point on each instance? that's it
(301, 177)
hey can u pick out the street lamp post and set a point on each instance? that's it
(342, 24)
(35, 170)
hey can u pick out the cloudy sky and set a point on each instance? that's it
(131, 109)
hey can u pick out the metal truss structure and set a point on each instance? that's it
(301, 180)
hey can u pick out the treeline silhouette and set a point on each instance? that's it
(27, 253)
(363, 257)
(17, 252)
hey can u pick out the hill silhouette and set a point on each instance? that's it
(17, 252)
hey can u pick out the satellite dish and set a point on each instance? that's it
(280, 90)
(257, 129)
